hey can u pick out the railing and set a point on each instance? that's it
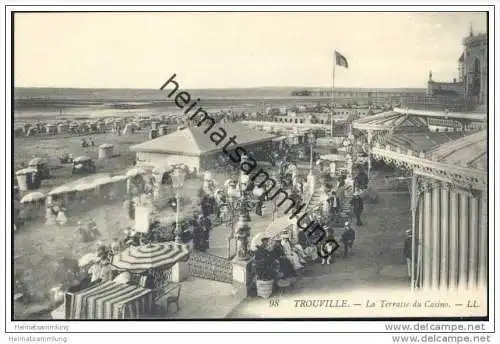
(441, 103)
(207, 266)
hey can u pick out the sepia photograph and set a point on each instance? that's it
(260, 165)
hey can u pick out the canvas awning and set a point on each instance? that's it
(468, 151)
(388, 120)
(193, 141)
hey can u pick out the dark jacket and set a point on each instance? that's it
(407, 248)
(348, 236)
(357, 205)
(361, 180)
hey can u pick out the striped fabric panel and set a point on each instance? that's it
(79, 309)
(133, 305)
(112, 305)
(104, 302)
(91, 301)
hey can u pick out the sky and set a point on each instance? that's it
(226, 50)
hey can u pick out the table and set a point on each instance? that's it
(109, 300)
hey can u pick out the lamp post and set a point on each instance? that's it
(178, 176)
(311, 139)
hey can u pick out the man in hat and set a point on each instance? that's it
(408, 251)
(357, 207)
(347, 238)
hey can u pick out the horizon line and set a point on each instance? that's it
(222, 88)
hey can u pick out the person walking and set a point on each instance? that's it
(408, 251)
(347, 238)
(357, 207)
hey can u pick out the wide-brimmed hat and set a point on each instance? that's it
(257, 240)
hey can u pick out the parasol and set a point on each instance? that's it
(81, 158)
(106, 145)
(118, 178)
(87, 259)
(102, 181)
(85, 187)
(37, 161)
(26, 171)
(136, 171)
(280, 225)
(60, 190)
(161, 255)
(33, 197)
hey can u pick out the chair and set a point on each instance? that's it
(164, 298)
(174, 299)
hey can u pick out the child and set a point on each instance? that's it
(348, 237)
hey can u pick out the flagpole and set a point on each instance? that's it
(332, 100)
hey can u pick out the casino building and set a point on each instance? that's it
(440, 141)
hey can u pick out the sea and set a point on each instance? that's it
(76, 103)
(73, 102)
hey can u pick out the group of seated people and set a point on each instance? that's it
(101, 270)
(282, 257)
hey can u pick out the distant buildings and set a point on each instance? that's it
(467, 93)
(362, 96)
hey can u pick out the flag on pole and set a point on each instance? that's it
(340, 60)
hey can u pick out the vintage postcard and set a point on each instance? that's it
(250, 165)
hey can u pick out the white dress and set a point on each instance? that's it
(61, 218)
(292, 256)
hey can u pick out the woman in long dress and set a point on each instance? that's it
(292, 256)
(61, 218)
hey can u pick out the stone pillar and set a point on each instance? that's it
(453, 238)
(420, 235)
(473, 241)
(242, 276)
(463, 238)
(369, 139)
(427, 238)
(483, 240)
(436, 235)
(180, 271)
(445, 232)
(142, 219)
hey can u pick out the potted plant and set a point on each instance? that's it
(265, 272)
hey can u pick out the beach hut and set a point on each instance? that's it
(31, 131)
(18, 131)
(153, 134)
(62, 128)
(51, 129)
(28, 179)
(42, 166)
(163, 130)
(101, 127)
(129, 129)
(154, 125)
(106, 151)
(32, 206)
